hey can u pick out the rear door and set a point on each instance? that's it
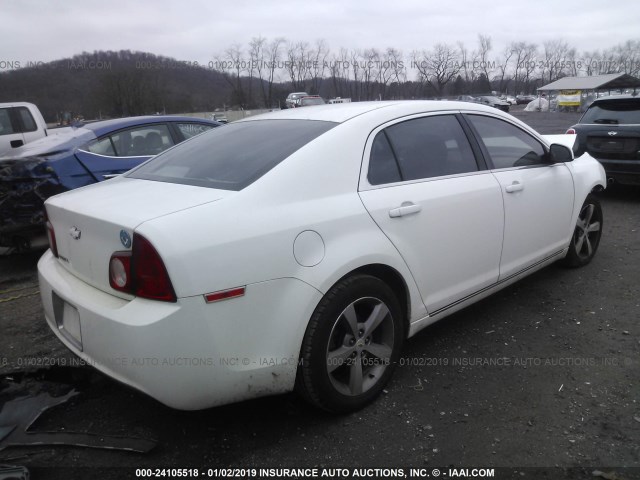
(538, 195)
(422, 184)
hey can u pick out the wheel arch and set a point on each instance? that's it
(394, 280)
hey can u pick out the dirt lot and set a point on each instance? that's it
(539, 381)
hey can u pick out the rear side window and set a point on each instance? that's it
(383, 166)
(28, 123)
(147, 140)
(189, 130)
(102, 146)
(425, 147)
(613, 113)
(232, 156)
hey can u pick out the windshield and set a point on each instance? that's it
(232, 156)
(612, 113)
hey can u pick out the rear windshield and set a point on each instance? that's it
(613, 112)
(232, 156)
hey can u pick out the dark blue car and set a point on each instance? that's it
(76, 157)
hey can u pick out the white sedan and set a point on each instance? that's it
(299, 249)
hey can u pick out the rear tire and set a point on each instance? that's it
(586, 236)
(351, 345)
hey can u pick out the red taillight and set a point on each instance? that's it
(151, 279)
(571, 131)
(51, 235)
(141, 272)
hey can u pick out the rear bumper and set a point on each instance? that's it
(622, 171)
(188, 355)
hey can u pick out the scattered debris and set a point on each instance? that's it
(560, 389)
(19, 414)
(607, 475)
(14, 472)
(418, 387)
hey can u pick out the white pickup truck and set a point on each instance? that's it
(20, 123)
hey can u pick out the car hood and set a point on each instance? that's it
(91, 222)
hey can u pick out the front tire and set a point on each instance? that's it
(586, 236)
(351, 345)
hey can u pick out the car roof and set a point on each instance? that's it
(102, 127)
(341, 112)
(617, 98)
(17, 104)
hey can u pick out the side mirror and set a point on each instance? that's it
(560, 153)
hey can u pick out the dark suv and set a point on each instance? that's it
(609, 131)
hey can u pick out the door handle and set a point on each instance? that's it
(514, 187)
(407, 208)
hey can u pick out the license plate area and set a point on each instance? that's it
(67, 320)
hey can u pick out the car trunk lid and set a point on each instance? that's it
(92, 223)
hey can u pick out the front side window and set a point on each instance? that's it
(6, 128)
(422, 148)
(507, 145)
(234, 156)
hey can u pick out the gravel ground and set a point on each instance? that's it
(539, 381)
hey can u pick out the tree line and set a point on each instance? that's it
(443, 70)
(260, 74)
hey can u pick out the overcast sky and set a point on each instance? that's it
(197, 30)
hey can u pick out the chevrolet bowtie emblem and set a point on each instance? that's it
(612, 133)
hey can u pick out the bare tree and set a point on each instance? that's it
(398, 70)
(524, 59)
(265, 58)
(354, 63)
(318, 64)
(232, 65)
(628, 55)
(481, 60)
(339, 70)
(274, 57)
(591, 62)
(504, 67)
(558, 59)
(438, 66)
(297, 64)
(467, 70)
